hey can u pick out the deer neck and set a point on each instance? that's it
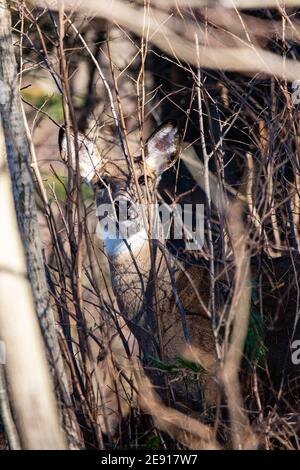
(132, 270)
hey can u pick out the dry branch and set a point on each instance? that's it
(162, 35)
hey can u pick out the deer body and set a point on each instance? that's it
(147, 294)
(134, 287)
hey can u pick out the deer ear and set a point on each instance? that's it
(163, 147)
(88, 154)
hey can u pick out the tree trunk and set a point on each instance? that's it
(24, 199)
(29, 381)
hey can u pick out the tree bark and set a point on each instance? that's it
(24, 200)
(27, 372)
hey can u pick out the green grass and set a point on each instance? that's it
(52, 104)
(56, 188)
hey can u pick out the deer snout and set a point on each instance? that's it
(125, 209)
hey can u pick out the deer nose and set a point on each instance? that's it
(132, 211)
(125, 210)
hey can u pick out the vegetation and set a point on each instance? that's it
(106, 75)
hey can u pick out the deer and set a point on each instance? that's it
(160, 298)
(164, 302)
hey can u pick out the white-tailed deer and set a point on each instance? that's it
(163, 300)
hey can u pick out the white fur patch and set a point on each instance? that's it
(89, 157)
(117, 246)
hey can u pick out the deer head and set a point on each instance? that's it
(114, 180)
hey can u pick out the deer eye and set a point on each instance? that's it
(141, 180)
(102, 182)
